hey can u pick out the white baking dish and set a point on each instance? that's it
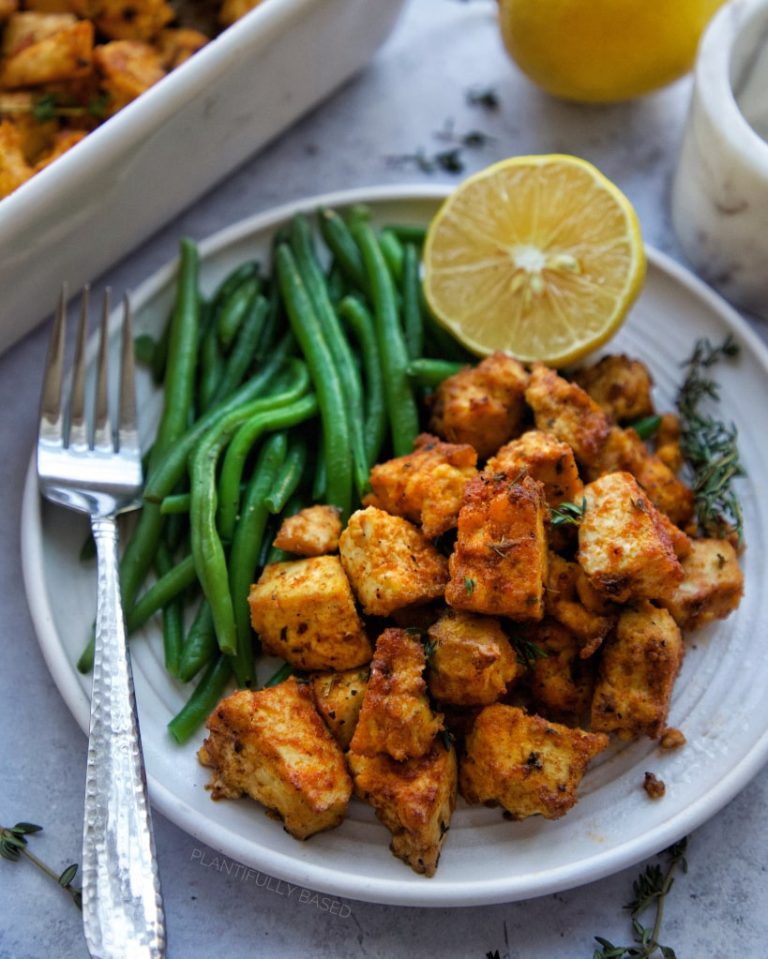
(144, 165)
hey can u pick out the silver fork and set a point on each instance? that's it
(93, 471)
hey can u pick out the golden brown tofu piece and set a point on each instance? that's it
(177, 44)
(625, 451)
(561, 681)
(499, 564)
(566, 582)
(566, 411)
(471, 661)
(413, 799)
(14, 169)
(132, 19)
(524, 763)
(232, 10)
(7, 7)
(545, 458)
(338, 698)
(313, 531)
(638, 668)
(396, 717)
(712, 585)
(304, 611)
(272, 745)
(81, 8)
(63, 140)
(482, 405)
(127, 68)
(36, 55)
(668, 442)
(426, 486)
(621, 386)
(624, 546)
(390, 563)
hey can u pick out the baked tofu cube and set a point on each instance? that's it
(304, 612)
(313, 531)
(566, 584)
(7, 7)
(273, 746)
(35, 54)
(712, 584)
(126, 69)
(426, 486)
(638, 668)
(390, 563)
(338, 698)
(624, 546)
(471, 661)
(545, 458)
(566, 411)
(232, 10)
(667, 441)
(524, 763)
(482, 405)
(14, 169)
(63, 140)
(178, 44)
(396, 717)
(132, 19)
(499, 564)
(413, 799)
(561, 681)
(621, 386)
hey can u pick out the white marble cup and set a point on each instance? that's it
(720, 188)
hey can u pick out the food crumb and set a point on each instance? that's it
(654, 786)
(672, 738)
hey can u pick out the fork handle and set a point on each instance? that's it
(122, 905)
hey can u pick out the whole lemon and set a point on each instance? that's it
(603, 50)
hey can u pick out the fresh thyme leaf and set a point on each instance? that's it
(450, 160)
(709, 445)
(526, 651)
(469, 585)
(26, 828)
(485, 97)
(429, 649)
(646, 427)
(13, 846)
(568, 514)
(65, 879)
(447, 738)
(97, 106)
(44, 108)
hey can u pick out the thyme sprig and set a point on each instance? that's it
(650, 892)
(13, 845)
(568, 514)
(709, 445)
(526, 651)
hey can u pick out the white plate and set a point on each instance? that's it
(718, 700)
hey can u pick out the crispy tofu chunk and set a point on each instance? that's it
(621, 386)
(624, 547)
(472, 661)
(561, 681)
(232, 10)
(564, 603)
(272, 745)
(668, 442)
(499, 564)
(413, 799)
(7, 7)
(14, 169)
(63, 140)
(545, 458)
(482, 405)
(566, 411)
(313, 531)
(390, 563)
(638, 668)
(127, 68)
(132, 19)
(396, 717)
(712, 584)
(37, 53)
(525, 763)
(178, 44)
(304, 612)
(426, 486)
(338, 698)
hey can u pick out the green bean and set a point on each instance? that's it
(243, 351)
(413, 321)
(175, 504)
(211, 362)
(202, 702)
(207, 548)
(230, 283)
(271, 325)
(320, 481)
(392, 251)
(285, 671)
(314, 281)
(160, 356)
(337, 285)
(358, 213)
(200, 644)
(408, 233)
(175, 528)
(286, 483)
(173, 617)
(428, 372)
(273, 554)
(161, 592)
(342, 244)
(235, 309)
(144, 348)
(401, 405)
(243, 427)
(325, 378)
(361, 321)
(246, 546)
(164, 478)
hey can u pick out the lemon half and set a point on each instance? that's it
(540, 256)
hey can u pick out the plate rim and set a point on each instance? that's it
(435, 892)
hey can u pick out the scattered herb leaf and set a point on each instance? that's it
(280, 676)
(568, 514)
(647, 426)
(469, 585)
(485, 97)
(13, 845)
(527, 652)
(44, 108)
